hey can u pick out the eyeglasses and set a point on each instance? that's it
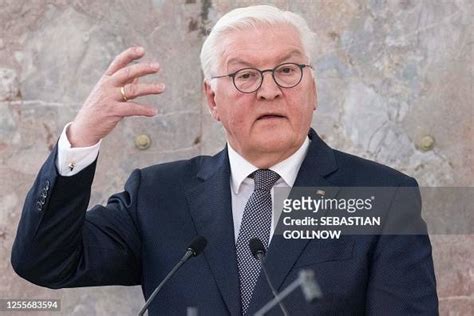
(249, 80)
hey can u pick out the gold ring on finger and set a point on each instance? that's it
(124, 96)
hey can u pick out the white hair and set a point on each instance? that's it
(247, 18)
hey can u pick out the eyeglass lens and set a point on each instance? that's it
(285, 75)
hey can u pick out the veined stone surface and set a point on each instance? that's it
(388, 72)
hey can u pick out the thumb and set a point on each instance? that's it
(135, 109)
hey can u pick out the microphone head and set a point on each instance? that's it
(256, 247)
(197, 245)
(309, 286)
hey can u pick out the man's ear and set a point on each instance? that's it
(211, 101)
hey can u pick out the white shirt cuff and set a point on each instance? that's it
(71, 161)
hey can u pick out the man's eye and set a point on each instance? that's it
(286, 70)
(246, 75)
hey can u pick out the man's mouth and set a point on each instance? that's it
(270, 116)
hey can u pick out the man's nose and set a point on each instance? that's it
(269, 89)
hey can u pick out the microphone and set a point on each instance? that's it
(258, 251)
(194, 249)
(309, 286)
(257, 248)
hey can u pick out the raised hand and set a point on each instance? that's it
(110, 100)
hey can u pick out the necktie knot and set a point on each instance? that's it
(265, 179)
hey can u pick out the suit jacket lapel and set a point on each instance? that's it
(210, 203)
(209, 199)
(282, 254)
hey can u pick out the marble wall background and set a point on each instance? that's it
(393, 76)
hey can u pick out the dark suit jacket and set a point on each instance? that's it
(143, 231)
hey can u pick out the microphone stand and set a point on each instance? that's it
(186, 256)
(275, 293)
(308, 285)
(194, 249)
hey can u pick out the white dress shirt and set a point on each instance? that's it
(71, 161)
(241, 186)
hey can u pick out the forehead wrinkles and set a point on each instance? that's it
(246, 44)
(252, 61)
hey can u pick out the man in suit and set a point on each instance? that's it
(260, 85)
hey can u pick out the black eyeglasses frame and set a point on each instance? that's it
(272, 70)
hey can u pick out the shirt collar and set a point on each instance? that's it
(240, 168)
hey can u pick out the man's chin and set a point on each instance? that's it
(274, 144)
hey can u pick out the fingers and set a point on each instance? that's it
(124, 58)
(130, 73)
(132, 91)
(105, 106)
(121, 73)
(125, 77)
(125, 109)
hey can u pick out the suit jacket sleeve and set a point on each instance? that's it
(61, 244)
(402, 280)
